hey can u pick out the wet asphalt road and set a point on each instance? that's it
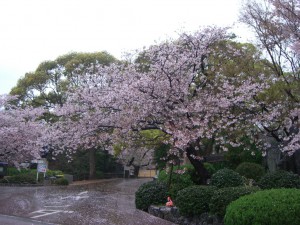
(106, 202)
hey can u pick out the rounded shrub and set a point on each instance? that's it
(226, 178)
(61, 181)
(279, 179)
(250, 170)
(224, 196)
(194, 200)
(150, 193)
(268, 207)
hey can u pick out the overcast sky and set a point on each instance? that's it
(32, 31)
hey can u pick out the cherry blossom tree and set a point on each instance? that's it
(19, 131)
(138, 151)
(276, 25)
(181, 88)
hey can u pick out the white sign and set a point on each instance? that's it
(42, 168)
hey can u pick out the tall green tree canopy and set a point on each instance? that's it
(46, 86)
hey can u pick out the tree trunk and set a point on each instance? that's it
(92, 162)
(136, 171)
(198, 165)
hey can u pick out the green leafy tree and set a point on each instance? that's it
(47, 85)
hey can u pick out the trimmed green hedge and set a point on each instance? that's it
(268, 207)
(23, 178)
(250, 170)
(194, 200)
(61, 181)
(12, 171)
(224, 196)
(226, 178)
(28, 176)
(150, 193)
(279, 179)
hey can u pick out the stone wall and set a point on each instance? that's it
(172, 214)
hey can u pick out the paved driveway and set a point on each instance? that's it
(104, 202)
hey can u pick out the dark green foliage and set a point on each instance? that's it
(250, 170)
(220, 165)
(61, 181)
(28, 176)
(3, 181)
(177, 186)
(269, 207)
(194, 176)
(178, 181)
(79, 166)
(186, 179)
(279, 179)
(210, 168)
(11, 171)
(22, 178)
(161, 155)
(53, 173)
(150, 193)
(194, 200)
(226, 178)
(105, 162)
(246, 152)
(224, 196)
(99, 175)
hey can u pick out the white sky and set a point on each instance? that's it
(32, 31)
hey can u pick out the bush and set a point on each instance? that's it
(61, 181)
(150, 193)
(178, 181)
(246, 152)
(270, 207)
(250, 170)
(210, 168)
(226, 178)
(224, 196)
(23, 178)
(161, 155)
(194, 200)
(12, 171)
(279, 179)
(99, 175)
(53, 173)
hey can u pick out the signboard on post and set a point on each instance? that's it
(41, 168)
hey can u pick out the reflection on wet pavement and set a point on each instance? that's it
(104, 202)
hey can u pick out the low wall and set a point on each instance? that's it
(172, 214)
(147, 173)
